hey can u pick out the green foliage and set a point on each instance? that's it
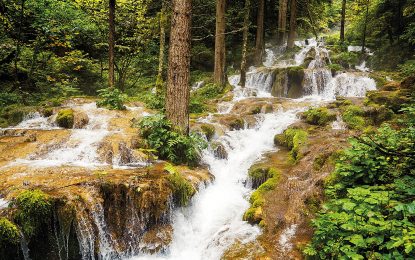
(7, 99)
(65, 118)
(183, 190)
(319, 116)
(111, 98)
(9, 233)
(407, 69)
(370, 212)
(33, 209)
(171, 145)
(293, 139)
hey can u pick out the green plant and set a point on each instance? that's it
(353, 117)
(33, 209)
(111, 98)
(407, 69)
(183, 190)
(294, 139)
(370, 212)
(169, 144)
(318, 116)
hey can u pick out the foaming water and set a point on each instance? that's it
(3, 204)
(214, 222)
(36, 121)
(81, 147)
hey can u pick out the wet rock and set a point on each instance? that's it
(30, 138)
(81, 119)
(288, 82)
(219, 151)
(208, 130)
(236, 124)
(268, 108)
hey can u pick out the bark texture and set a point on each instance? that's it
(111, 44)
(177, 95)
(245, 42)
(220, 49)
(282, 21)
(293, 24)
(259, 42)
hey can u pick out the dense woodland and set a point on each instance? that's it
(120, 51)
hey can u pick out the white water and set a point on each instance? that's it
(81, 147)
(35, 121)
(3, 204)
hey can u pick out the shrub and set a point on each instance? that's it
(65, 118)
(407, 69)
(111, 98)
(319, 116)
(9, 99)
(33, 209)
(169, 144)
(370, 210)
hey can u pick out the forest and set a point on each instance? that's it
(214, 129)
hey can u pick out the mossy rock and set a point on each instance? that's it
(255, 110)
(65, 118)
(219, 151)
(208, 130)
(182, 189)
(34, 208)
(294, 139)
(237, 124)
(394, 100)
(267, 109)
(318, 116)
(353, 117)
(14, 114)
(259, 175)
(378, 113)
(9, 233)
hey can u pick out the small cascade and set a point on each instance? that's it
(286, 236)
(36, 121)
(349, 84)
(3, 204)
(339, 124)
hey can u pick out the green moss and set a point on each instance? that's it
(378, 113)
(208, 130)
(393, 100)
(319, 116)
(293, 139)
(254, 213)
(65, 118)
(182, 189)
(9, 233)
(237, 124)
(33, 209)
(255, 110)
(353, 117)
(259, 175)
(320, 161)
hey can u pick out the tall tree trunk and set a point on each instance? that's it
(293, 24)
(111, 44)
(282, 21)
(245, 43)
(178, 89)
(343, 21)
(163, 20)
(364, 27)
(220, 55)
(259, 42)
(19, 41)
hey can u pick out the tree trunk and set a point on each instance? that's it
(282, 21)
(177, 95)
(19, 42)
(343, 21)
(364, 27)
(293, 24)
(245, 43)
(220, 55)
(111, 44)
(259, 43)
(310, 17)
(163, 18)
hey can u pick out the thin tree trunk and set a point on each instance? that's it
(220, 54)
(364, 27)
(343, 21)
(282, 21)
(163, 18)
(259, 43)
(19, 40)
(293, 24)
(310, 17)
(178, 89)
(111, 44)
(245, 43)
